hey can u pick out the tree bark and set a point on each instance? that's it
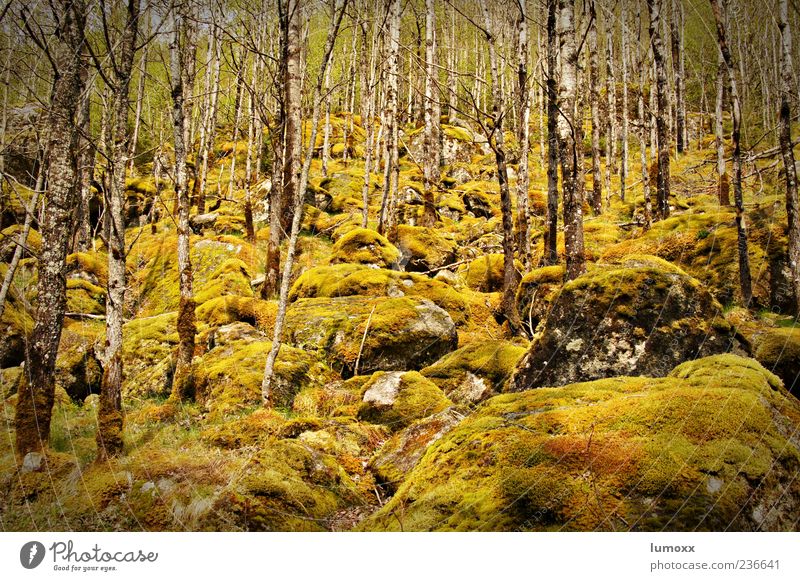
(551, 230)
(182, 382)
(745, 282)
(568, 148)
(110, 417)
(297, 217)
(723, 184)
(662, 110)
(387, 223)
(594, 102)
(432, 114)
(37, 391)
(785, 138)
(611, 102)
(523, 136)
(511, 276)
(676, 39)
(624, 48)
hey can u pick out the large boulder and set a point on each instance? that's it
(396, 399)
(641, 317)
(710, 447)
(362, 334)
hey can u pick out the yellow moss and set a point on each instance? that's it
(417, 397)
(363, 246)
(230, 308)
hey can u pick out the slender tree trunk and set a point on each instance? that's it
(643, 125)
(368, 115)
(37, 391)
(611, 101)
(326, 138)
(568, 148)
(387, 222)
(86, 172)
(662, 126)
(210, 121)
(723, 185)
(720, 17)
(182, 382)
(21, 241)
(594, 99)
(676, 38)
(551, 231)
(523, 136)
(511, 276)
(137, 119)
(293, 98)
(297, 217)
(624, 48)
(110, 416)
(432, 114)
(785, 138)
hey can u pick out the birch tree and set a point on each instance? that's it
(568, 146)
(720, 17)
(432, 114)
(662, 110)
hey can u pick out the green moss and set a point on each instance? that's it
(92, 263)
(363, 246)
(34, 240)
(414, 397)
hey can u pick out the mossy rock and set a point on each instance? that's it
(16, 325)
(228, 377)
(89, 266)
(288, 486)
(484, 274)
(535, 294)
(476, 371)
(395, 334)
(398, 456)
(779, 351)
(703, 241)
(83, 297)
(8, 243)
(641, 317)
(364, 246)
(424, 249)
(396, 399)
(478, 204)
(231, 308)
(78, 370)
(147, 346)
(708, 448)
(342, 280)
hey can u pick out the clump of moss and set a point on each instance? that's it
(84, 297)
(535, 294)
(341, 280)
(424, 249)
(396, 399)
(231, 308)
(364, 246)
(779, 351)
(93, 264)
(484, 274)
(494, 361)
